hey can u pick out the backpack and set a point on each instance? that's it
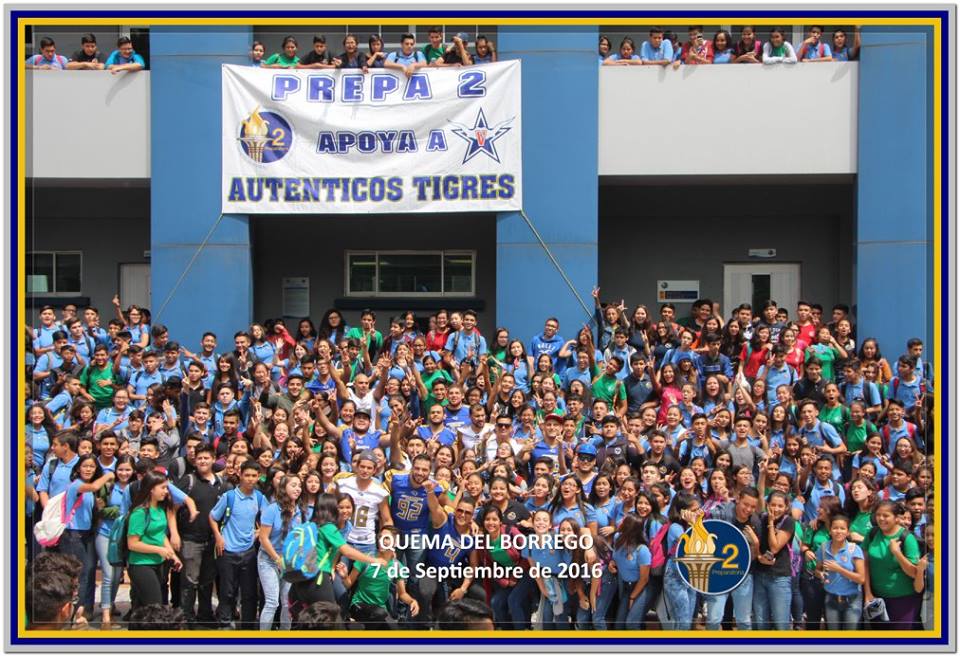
(911, 433)
(55, 520)
(658, 555)
(796, 562)
(118, 550)
(836, 488)
(301, 559)
(231, 498)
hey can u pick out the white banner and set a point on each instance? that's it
(342, 141)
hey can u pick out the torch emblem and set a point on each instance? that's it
(255, 135)
(699, 547)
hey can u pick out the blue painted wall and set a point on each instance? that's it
(560, 85)
(894, 197)
(217, 291)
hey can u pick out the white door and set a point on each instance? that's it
(135, 284)
(755, 283)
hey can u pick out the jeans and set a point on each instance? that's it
(80, 544)
(771, 602)
(275, 593)
(814, 596)
(605, 597)
(680, 599)
(509, 610)
(197, 577)
(410, 557)
(630, 616)
(238, 574)
(796, 603)
(742, 597)
(111, 574)
(843, 613)
(550, 620)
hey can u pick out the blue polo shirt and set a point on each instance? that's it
(819, 491)
(414, 57)
(630, 561)
(861, 391)
(141, 381)
(116, 58)
(837, 583)
(40, 442)
(785, 375)
(273, 518)
(905, 391)
(120, 498)
(43, 336)
(109, 415)
(83, 518)
(571, 374)
(460, 343)
(47, 362)
(240, 529)
(545, 556)
(589, 514)
(59, 480)
(664, 52)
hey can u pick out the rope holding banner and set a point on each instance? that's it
(187, 268)
(563, 274)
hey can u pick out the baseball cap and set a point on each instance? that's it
(553, 417)
(587, 449)
(362, 411)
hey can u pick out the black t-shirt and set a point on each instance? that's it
(81, 56)
(781, 566)
(359, 60)
(313, 58)
(205, 494)
(667, 464)
(452, 56)
(807, 389)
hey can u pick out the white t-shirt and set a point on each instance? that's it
(367, 503)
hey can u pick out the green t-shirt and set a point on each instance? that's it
(857, 435)
(155, 534)
(329, 542)
(432, 53)
(887, 579)
(373, 584)
(90, 378)
(282, 59)
(862, 524)
(608, 388)
(813, 539)
(374, 339)
(827, 355)
(836, 417)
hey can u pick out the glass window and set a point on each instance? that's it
(458, 273)
(54, 273)
(363, 273)
(410, 274)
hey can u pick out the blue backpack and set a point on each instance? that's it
(301, 559)
(117, 549)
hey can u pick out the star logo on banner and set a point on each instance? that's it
(481, 138)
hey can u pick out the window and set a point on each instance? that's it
(411, 273)
(54, 273)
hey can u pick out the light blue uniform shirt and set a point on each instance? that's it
(239, 531)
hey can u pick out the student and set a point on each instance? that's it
(47, 58)
(891, 560)
(456, 54)
(626, 56)
(434, 49)
(773, 573)
(124, 58)
(749, 49)
(841, 563)
(740, 512)
(407, 60)
(723, 52)
(287, 58)
(484, 50)
(279, 518)
(842, 51)
(374, 585)
(319, 57)
(679, 597)
(697, 50)
(778, 50)
(257, 51)
(813, 49)
(656, 50)
(147, 539)
(235, 548)
(631, 563)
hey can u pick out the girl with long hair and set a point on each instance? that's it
(147, 539)
(276, 522)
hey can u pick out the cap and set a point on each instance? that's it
(553, 417)
(610, 419)
(684, 356)
(587, 449)
(464, 36)
(368, 456)
(362, 411)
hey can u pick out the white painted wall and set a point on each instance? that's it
(734, 119)
(88, 124)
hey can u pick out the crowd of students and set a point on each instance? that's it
(605, 446)
(665, 48)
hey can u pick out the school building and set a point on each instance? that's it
(735, 182)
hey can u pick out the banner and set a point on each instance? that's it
(342, 141)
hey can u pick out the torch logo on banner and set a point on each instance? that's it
(265, 137)
(255, 131)
(712, 556)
